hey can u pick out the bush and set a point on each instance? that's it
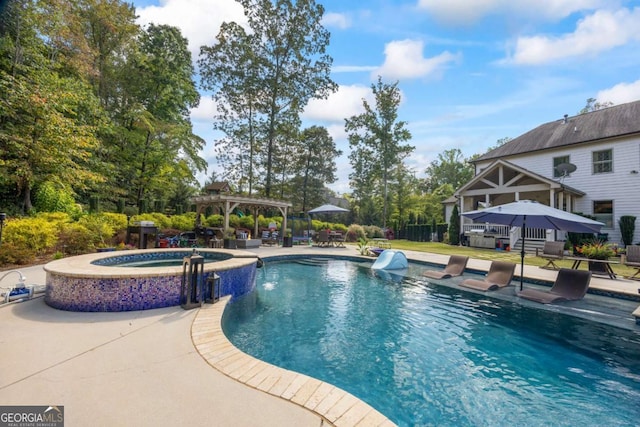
(52, 197)
(100, 229)
(215, 220)
(184, 222)
(11, 253)
(355, 233)
(627, 228)
(373, 231)
(75, 239)
(35, 234)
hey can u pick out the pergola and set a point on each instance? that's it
(229, 202)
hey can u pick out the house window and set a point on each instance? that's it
(603, 211)
(558, 161)
(603, 161)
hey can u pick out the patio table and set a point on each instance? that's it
(603, 265)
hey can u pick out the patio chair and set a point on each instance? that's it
(499, 275)
(632, 259)
(268, 238)
(551, 252)
(570, 285)
(455, 267)
(337, 239)
(323, 238)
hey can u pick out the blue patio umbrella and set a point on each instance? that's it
(529, 213)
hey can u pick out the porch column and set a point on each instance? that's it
(552, 198)
(226, 215)
(561, 201)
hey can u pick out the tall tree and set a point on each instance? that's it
(450, 168)
(376, 137)
(267, 75)
(48, 115)
(314, 165)
(157, 130)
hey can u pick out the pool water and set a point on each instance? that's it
(424, 354)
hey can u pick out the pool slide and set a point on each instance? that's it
(390, 260)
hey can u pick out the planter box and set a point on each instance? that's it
(229, 243)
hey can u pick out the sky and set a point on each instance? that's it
(471, 72)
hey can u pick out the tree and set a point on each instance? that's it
(263, 78)
(48, 116)
(454, 226)
(156, 133)
(449, 168)
(375, 138)
(594, 105)
(314, 165)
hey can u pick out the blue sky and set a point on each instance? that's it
(471, 71)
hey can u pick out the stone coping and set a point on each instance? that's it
(81, 265)
(334, 405)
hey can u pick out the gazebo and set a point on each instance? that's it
(228, 203)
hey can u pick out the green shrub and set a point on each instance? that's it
(373, 231)
(52, 197)
(247, 222)
(75, 239)
(10, 253)
(100, 229)
(215, 220)
(184, 222)
(36, 234)
(355, 233)
(627, 228)
(117, 220)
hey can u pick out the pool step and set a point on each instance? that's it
(313, 261)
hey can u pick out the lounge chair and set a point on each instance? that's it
(499, 275)
(455, 267)
(552, 251)
(570, 285)
(632, 259)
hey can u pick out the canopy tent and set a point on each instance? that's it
(327, 209)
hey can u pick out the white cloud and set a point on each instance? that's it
(336, 20)
(344, 103)
(462, 12)
(206, 110)
(596, 33)
(404, 60)
(198, 20)
(352, 68)
(620, 93)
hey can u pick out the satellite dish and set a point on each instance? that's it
(566, 168)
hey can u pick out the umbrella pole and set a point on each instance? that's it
(524, 226)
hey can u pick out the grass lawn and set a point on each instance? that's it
(488, 254)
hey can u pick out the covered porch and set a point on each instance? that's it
(503, 182)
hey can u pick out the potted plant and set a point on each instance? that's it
(229, 238)
(596, 250)
(287, 240)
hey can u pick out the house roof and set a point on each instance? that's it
(516, 174)
(218, 187)
(606, 123)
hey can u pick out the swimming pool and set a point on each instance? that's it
(424, 354)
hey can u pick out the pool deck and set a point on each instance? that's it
(168, 366)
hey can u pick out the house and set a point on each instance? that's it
(586, 164)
